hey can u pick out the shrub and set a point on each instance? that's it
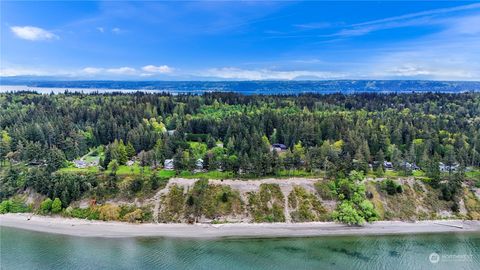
(134, 216)
(46, 206)
(212, 201)
(305, 206)
(5, 206)
(109, 212)
(225, 197)
(368, 211)
(126, 208)
(14, 206)
(325, 190)
(173, 205)
(56, 206)
(455, 207)
(136, 184)
(86, 213)
(354, 207)
(78, 213)
(267, 204)
(155, 181)
(346, 213)
(391, 187)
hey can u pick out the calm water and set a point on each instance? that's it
(30, 250)
(244, 87)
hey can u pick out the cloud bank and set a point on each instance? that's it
(32, 33)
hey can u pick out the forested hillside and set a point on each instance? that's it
(64, 145)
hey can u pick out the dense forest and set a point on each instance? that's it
(334, 134)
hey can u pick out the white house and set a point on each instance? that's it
(388, 165)
(168, 164)
(199, 164)
(80, 164)
(446, 168)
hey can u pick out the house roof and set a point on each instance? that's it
(279, 145)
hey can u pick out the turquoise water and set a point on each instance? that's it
(31, 250)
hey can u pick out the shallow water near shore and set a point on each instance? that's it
(22, 249)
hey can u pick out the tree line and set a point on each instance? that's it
(335, 133)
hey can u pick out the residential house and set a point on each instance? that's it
(278, 147)
(409, 166)
(168, 164)
(198, 165)
(448, 168)
(80, 164)
(388, 165)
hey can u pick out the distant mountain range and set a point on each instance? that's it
(255, 87)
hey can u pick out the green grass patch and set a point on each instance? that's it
(91, 158)
(391, 173)
(474, 175)
(4, 164)
(93, 169)
(135, 169)
(207, 175)
(418, 174)
(166, 173)
(298, 173)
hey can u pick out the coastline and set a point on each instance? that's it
(87, 228)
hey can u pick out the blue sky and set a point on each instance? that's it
(215, 40)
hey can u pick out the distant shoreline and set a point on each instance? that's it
(239, 87)
(86, 228)
(61, 90)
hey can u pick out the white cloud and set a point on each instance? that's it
(315, 25)
(101, 29)
(122, 71)
(32, 33)
(232, 73)
(17, 70)
(428, 17)
(8, 72)
(92, 70)
(100, 71)
(116, 30)
(413, 71)
(410, 70)
(146, 71)
(426, 61)
(450, 54)
(465, 26)
(157, 69)
(431, 12)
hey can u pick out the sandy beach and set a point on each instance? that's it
(85, 228)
